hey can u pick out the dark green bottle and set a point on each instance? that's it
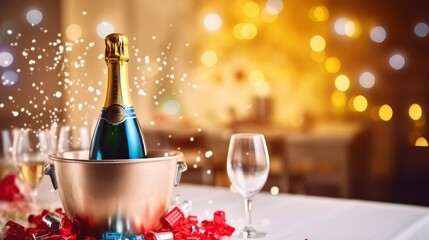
(118, 134)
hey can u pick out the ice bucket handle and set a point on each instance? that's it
(181, 167)
(50, 171)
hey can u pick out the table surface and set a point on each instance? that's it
(300, 217)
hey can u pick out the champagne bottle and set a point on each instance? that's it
(117, 134)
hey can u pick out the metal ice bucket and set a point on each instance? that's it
(126, 196)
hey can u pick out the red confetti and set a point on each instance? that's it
(8, 189)
(175, 226)
(173, 218)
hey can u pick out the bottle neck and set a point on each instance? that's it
(118, 91)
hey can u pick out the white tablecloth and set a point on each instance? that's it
(298, 217)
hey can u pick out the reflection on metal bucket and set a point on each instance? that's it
(126, 196)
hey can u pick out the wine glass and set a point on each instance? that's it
(64, 143)
(30, 150)
(247, 166)
(5, 156)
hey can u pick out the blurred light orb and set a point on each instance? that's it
(350, 28)
(332, 65)
(318, 14)
(9, 78)
(212, 22)
(208, 154)
(385, 112)
(171, 107)
(274, 190)
(251, 9)
(378, 34)
(236, 31)
(338, 99)
(421, 29)
(317, 43)
(360, 103)
(256, 78)
(209, 58)
(346, 27)
(6, 59)
(34, 17)
(367, 80)
(73, 32)
(421, 142)
(274, 6)
(397, 61)
(104, 29)
(415, 111)
(249, 31)
(340, 25)
(342, 83)
(58, 94)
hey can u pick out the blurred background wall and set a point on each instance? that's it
(322, 76)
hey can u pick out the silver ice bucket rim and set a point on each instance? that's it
(82, 156)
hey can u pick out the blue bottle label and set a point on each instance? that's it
(116, 114)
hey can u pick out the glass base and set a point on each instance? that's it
(248, 233)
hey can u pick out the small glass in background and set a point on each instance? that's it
(30, 153)
(6, 153)
(73, 138)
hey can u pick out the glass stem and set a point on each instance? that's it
(248, 209)
(34, 196)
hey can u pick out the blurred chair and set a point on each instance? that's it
(325, 157)
(217, 143)
(190, 142)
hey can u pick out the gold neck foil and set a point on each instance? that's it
(117, 58)
(116, 48)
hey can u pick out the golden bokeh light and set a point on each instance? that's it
(73, 32)
(385, 112)
(236, 31)
(248, 31)
(332, 65)
(342, 83)
(421, 142)
(209, 58)
(415, 111)
(346, 27)
(251, 9)
(245, 31)
(317, 43)
(359, 103)
(352, 29)
(318, 14)
(256, 78)
(338, 99)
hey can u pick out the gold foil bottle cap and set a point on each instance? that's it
(116, 48)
